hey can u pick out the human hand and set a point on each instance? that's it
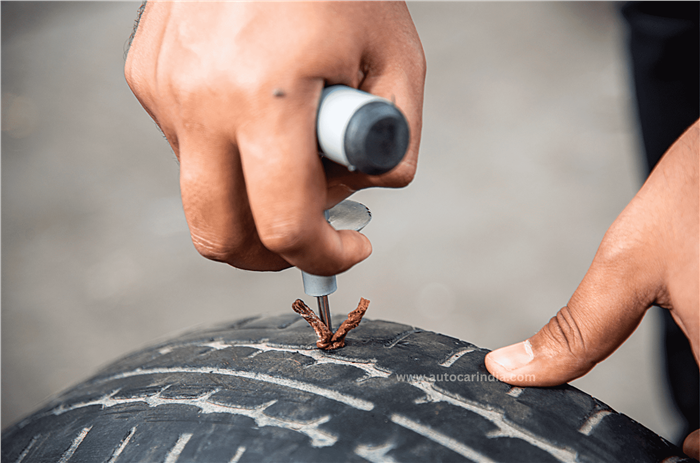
(649, 256)
(234, 86)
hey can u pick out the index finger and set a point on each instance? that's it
(286, 183)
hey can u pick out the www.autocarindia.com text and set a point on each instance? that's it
(473, 377)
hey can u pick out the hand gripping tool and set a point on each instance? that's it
(362, 132)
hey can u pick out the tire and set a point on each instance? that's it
(259, 390)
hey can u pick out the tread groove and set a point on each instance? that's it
(122, 445)
(441, 439)
(318, 437)
(515, 391)
(497, 417)
(74, 446)
(239, 453)
(177, 449)
(27, 448)
(376, 454)
(354, 402)
(593, 421)
(448, 362)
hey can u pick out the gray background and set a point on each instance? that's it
(529, 153)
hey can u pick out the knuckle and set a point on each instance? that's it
(232, 248)
(421, 62)
(402, 176)
(282, 236)
(243, 253)
(215, 251)
(185, 89)
(612, 249)
(133, 69)
(623, 252)
(624, 239)
(129, 76)
(565, 333)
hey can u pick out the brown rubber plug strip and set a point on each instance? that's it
(328, 340)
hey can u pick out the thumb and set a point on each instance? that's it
(648, 256)
(691, 445)
(606, 308)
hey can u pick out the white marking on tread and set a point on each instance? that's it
(122, 445)
(505, 428)
(238, 455)
(177, 449)
(375, 454)
(515, 391)
(401, 336)
(441, 439)
(27, 449)
(674, 459)
(454, 357)
(593, 420)
(319, 438)
(354, 402)
(74, 446)
(422, 400)
(368, 366)
(166, 350)
(216, 345)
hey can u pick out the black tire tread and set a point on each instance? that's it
(259, 390)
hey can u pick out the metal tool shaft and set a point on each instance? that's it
(324, 311)
(346, 215)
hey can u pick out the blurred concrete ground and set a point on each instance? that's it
(529, 152)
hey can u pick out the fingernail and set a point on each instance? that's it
(514, 356)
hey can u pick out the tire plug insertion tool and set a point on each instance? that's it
(362, 132)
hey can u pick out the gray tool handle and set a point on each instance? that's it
(361, 131)
(346, 215)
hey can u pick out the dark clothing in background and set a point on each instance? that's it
(664, 46)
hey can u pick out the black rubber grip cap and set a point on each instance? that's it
(377, 137)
